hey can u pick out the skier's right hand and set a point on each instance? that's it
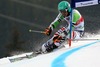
(57, 38)
(48, 31)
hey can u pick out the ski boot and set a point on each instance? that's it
(46, 48)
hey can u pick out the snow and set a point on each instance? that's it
(87, 57)
(80, 54)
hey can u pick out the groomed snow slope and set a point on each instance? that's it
(82, 54)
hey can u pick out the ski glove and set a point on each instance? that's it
(48, 31)
(57, 38)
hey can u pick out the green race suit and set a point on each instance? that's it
(77, 21)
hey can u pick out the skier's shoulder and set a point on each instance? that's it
(76, 15)
(75, 10)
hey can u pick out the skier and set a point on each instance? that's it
(63, 34)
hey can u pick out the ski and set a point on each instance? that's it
(27, 56)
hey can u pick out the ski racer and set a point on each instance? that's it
(63, 34)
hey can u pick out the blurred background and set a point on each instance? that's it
(18, 16)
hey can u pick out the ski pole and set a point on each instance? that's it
(85, 39)
(36, 31)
